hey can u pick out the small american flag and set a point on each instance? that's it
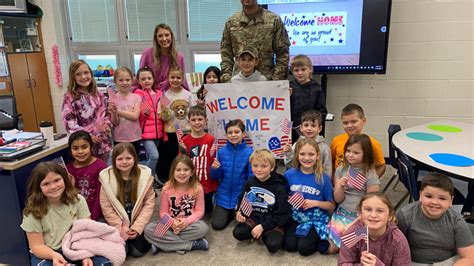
(163, 225)
(245, 206)
(164, 101)
(356, 179)
(112, 95)
(298, 130)
(60, 161)
(296, 200)
(286, 126)
(214, 147)
(353, 238)
(145, 104)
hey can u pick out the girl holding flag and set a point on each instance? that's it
(127, 198)
(124, 108)
(374, 239)
(150, 121)
(306, 231)
(173, 109)
(182, 201)
(354, 178)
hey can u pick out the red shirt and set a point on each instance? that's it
(199, 150)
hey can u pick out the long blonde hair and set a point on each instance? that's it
(72, 87)
(157, 48)
(318, 168)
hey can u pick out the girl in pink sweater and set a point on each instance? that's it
(386, 243)
(182, 199)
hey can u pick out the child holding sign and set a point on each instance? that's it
(247, 60)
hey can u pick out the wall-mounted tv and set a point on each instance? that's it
(340, 36)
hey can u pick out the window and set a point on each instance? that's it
(93, 21)
(102, 65)
(122, 29)
(144, 15)
(206, 18)
(203, 61)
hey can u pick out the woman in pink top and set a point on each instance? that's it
(182, 200)
(124, 108)
(162, 56)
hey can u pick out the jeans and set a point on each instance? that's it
(151, 147)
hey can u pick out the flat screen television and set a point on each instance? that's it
(14, 6)
(340, 36)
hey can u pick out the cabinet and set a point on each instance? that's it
(31, 88)
(28, 74)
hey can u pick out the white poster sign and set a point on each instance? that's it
(264, 107)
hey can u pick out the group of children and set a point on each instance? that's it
(201, 179)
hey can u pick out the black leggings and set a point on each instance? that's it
(306, 245)
(140, 244)
(168, 150)
(272, 239)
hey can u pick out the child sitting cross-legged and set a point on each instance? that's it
(266, 192)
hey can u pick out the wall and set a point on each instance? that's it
(53, 34)
(429, 77)
(430, 71)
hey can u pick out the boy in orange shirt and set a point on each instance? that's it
(353, 122)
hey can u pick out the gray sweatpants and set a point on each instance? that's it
(181, 242)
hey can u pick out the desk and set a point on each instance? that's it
(439, 145)
(13, 183)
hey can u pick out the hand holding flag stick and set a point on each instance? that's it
(296, 200)
(245, 206)
(163, 225)
(356, 179)
(351, 239)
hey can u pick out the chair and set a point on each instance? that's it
(9, 117)
(406, 174)
(392, 129)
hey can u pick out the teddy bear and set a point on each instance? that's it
(180, 108)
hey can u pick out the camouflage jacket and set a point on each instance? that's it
(267, 33)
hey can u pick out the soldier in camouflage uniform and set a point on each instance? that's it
(261, 29)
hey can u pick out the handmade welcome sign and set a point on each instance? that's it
(316, 28)
(264, 107)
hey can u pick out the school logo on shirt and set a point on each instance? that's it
(261, 198)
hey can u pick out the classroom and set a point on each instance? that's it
(419, 98)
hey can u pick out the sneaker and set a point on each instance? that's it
(323, 246)
(154, 250)
(200, 244)
(134, 252)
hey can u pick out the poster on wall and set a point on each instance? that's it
(263, 107)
